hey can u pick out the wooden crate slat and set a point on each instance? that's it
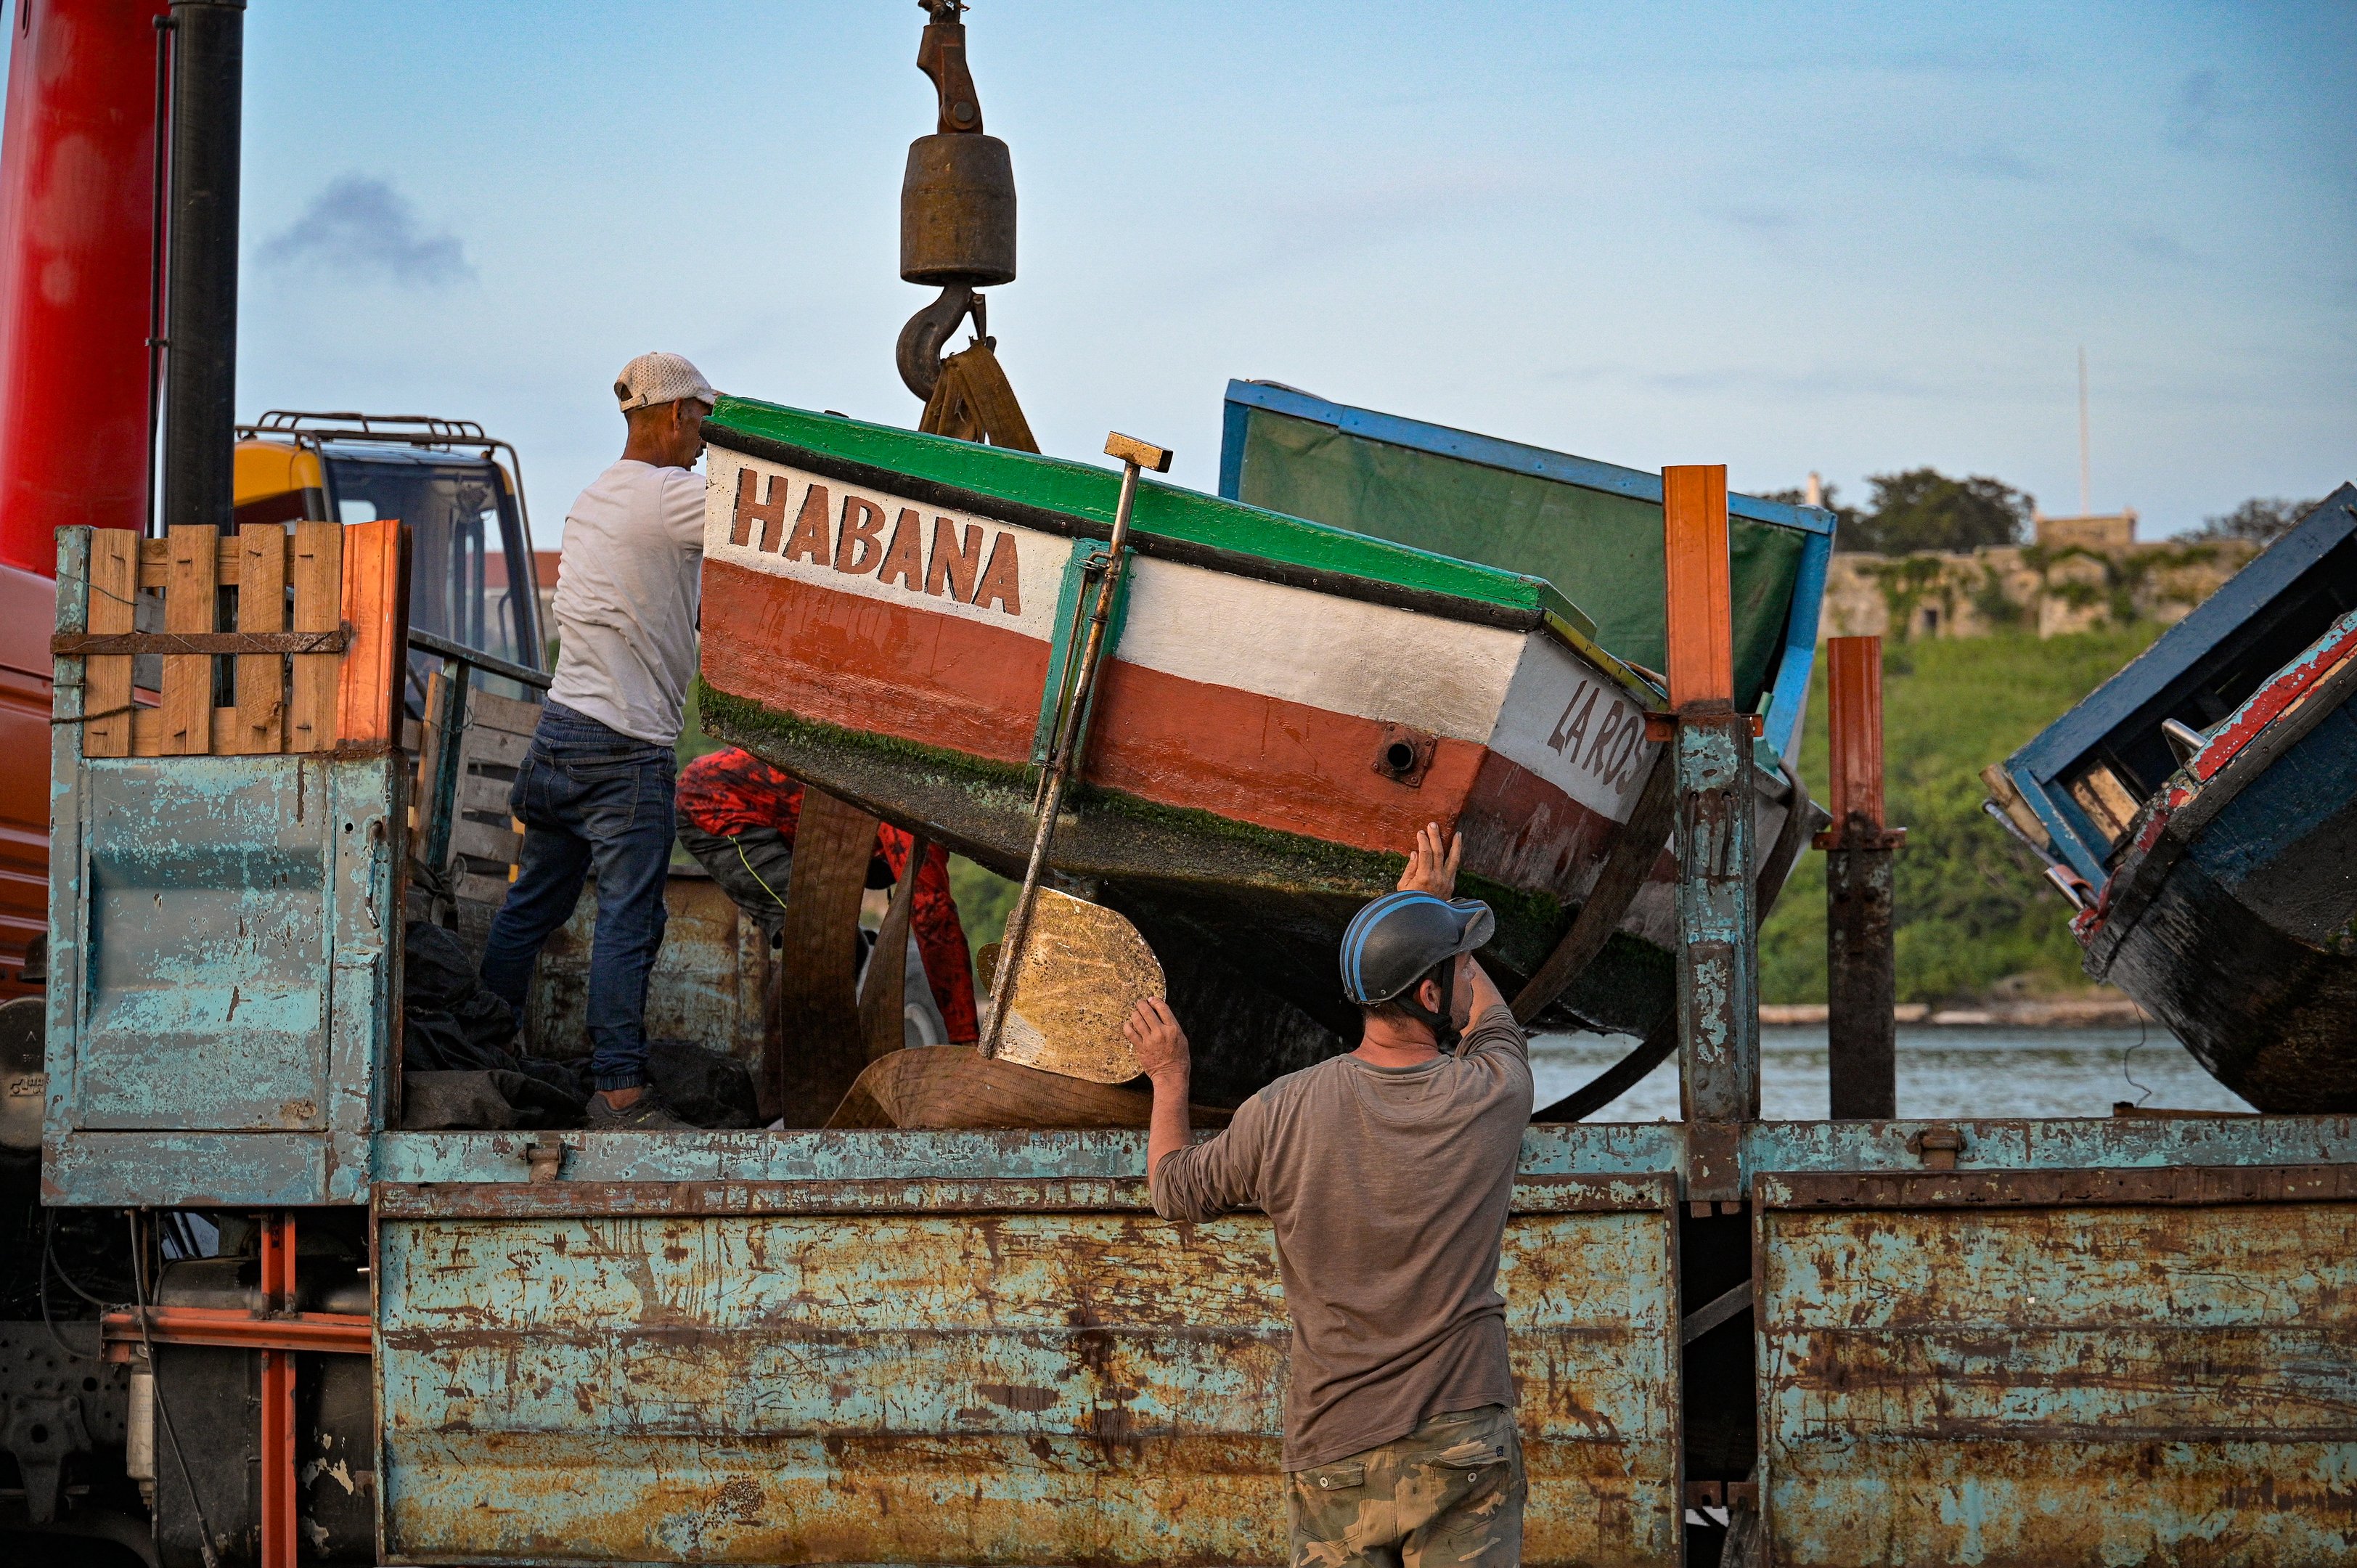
(106, 682)
(485, 842)
(260, 607)
(318, 574)
(349, 578)
(495, 748)
(155, 562)
(191, 570)
(429, 752)
(482, 792)
(488, 711)
(368, 703)
(474, 887)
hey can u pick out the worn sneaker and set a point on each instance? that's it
(650, 1112)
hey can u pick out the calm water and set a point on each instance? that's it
(1942, 1072)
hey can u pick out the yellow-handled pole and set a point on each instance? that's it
(1136, 456)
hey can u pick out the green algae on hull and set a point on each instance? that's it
(1300, 890)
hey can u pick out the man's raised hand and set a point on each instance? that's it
(1429, 868)
(1153, 1032)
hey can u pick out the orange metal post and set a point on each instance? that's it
(1861, 977)
(1854, 667)
(1701, 606)
(277, 1398)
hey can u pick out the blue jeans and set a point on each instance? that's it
(589, 796)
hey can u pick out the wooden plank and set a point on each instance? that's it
(318, 574)
(78, 645)
(493, 748)
(883, 1000)
(2106, 800)
(147, 732)
(260, 607)
(191, 571)
(817, 1052)
(487, 711)
(483, 792)
(428, 748)
(106, 683)
(368, 703)
(473, 888)
(484, 842)
(155, 562)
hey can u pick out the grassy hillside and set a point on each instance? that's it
(1973, 907)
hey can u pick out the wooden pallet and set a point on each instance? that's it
(494, 734)
(316, 669)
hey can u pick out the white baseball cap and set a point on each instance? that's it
(661, 377)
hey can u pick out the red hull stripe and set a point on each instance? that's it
(865, 664)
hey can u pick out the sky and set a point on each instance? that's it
(1852, 239)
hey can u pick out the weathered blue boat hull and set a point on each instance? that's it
(2244, 941)
(2225, 877)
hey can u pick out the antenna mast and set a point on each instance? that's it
(2086, 508)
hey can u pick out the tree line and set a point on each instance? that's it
(1923, 509)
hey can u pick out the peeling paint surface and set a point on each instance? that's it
(1597, 1148)
(226, 956)
(2057, 1385)
(993, 1385)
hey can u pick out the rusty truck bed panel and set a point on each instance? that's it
(1764, 1148)
(924, 1379)
(2019, 1373)
(224, 942)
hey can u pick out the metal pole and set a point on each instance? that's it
(1061, 763)
(1718, 1012)
(278, 1478)
(1862, 1035)
(200, 317)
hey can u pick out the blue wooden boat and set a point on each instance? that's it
(2200, 809)
(1591, 528)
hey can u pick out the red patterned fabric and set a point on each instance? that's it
(727, 792)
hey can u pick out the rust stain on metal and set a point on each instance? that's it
(2060, 1368)
(952, 1385)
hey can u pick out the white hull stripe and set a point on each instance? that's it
(1522, 694)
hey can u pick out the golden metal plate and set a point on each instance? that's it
(1083, 969)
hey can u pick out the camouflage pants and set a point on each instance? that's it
(1449, 1493)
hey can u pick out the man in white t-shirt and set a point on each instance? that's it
(595, 790)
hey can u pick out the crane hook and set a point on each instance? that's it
(919, 352)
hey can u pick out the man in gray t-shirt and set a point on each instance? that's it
(1385, 1174)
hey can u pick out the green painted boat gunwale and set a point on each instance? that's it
(1066, 497)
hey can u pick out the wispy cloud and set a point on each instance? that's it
(2154, 246)
(2194, 112)
(1993, 162)
(362, 227)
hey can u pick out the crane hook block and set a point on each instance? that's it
(957, 197)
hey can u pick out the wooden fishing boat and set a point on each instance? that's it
(2201, 808)
(889, 615)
